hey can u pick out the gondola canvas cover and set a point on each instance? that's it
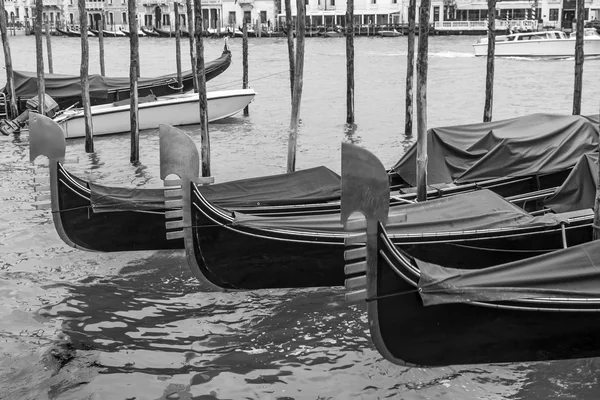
(578, 191)
(570, 273)
(312, 185)
(532, 144)
(481, 209)
(59, 85)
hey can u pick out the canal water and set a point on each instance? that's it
(80, 325)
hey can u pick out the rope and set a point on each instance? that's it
(237, 81)
(386, 296)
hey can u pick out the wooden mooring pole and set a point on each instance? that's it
(39, 53)
(192, 34)
(290, 42)
(133, 79)
(101, 44)
(422, 65)
(410, 69)
(297, 94)
(491, 53)
(579, 57)
(202, 103)
(12, 112)
(178, 46)
(49, 48)
(596, 229)
(350, 61)
(245, 61)
(85, 83)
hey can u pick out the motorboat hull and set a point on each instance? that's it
(172, 110)
(546, 48)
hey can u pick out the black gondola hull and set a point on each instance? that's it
(407, 332)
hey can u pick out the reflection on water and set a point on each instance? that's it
(138, 325)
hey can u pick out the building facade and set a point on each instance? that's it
(222, 14)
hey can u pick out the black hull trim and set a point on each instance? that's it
(407, 333)
(107, 231)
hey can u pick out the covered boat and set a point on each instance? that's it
(95, 217)
(258, 196)
(176, 109)
(66, 89)
(305, 249)
(426, 314)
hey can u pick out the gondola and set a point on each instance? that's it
(150, 32)
(423, 314)
(316, 193)
(232, 250)
(66, 89)
(68, 32)
(164, 33)
(94, 217)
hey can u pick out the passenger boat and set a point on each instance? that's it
(552, 44)
(424, 314)
(176, 109)
(66, 89)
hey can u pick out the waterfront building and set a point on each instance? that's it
(269, 14)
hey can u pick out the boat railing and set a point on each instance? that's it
(501, 24)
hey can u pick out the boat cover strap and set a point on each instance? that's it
(572, 273)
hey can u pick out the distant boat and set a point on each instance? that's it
(71, 32)
(551, 44)
(333, 33)
(165, 33)
(177, 109)
(66, 89)
(127, 33)
(150, 32)
(107, 33)
(389, 33)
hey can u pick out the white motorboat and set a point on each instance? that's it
(389, 33)
(554, 44)
(179, 109)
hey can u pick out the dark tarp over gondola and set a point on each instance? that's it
(66, 89)
(313, 185)
(478, 210)
(532, 144)
(579, 189)
(573, 273)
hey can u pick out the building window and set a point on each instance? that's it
(124, 18)
(587, 14)
(247, 17)
(305, 2)
(111, 19)
(263, 16)
(71, 18)
(436, 14)
(394, 1)
(553, 14)
(231, 18)
(373, 1)
(332, 3)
